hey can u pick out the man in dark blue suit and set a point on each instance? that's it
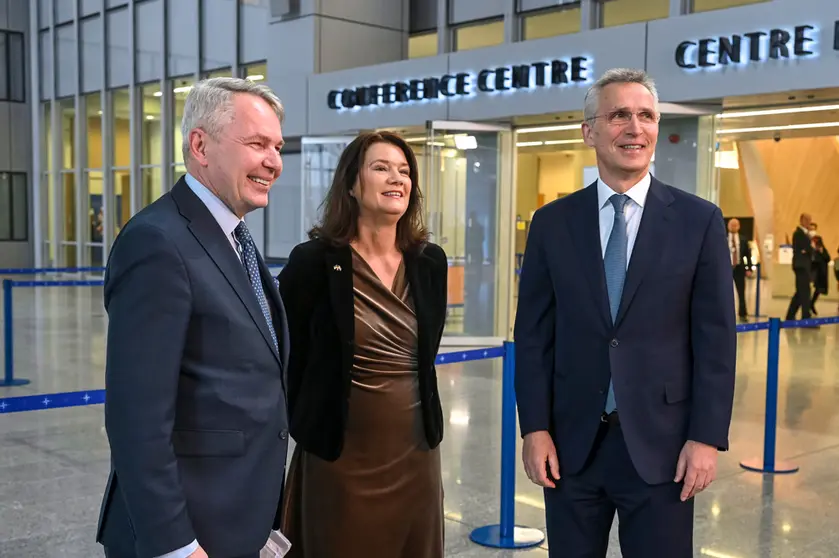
(625, 342)
(195, 404)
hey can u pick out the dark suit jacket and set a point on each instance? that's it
(744, 258)
(671, 352)
(802, 251)
(195, 402)
(317, 287)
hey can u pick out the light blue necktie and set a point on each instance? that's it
(243, 236)
(614, 263)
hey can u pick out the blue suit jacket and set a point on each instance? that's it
(671, 351)
(195, 404)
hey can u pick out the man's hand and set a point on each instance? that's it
(697, 466)
(537, 454)
(199, 553)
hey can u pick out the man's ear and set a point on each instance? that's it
(588, 132)
(198, 139)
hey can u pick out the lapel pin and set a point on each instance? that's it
(337, 268)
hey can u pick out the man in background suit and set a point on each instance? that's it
(802, 266)
(741, 264)
(195, 405)
(625, 357)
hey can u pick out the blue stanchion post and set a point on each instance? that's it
(9, 379)
(507, 534)
(768, 464)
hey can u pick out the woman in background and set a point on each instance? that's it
(366, 304)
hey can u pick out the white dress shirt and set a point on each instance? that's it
(225, 218)
(633, 210)
(228, 222)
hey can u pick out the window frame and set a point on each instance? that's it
(8, 235)
(6, 95)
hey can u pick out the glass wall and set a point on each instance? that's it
(622, 12)
(178, 95)
(110, 137)
(67, 182)
(422, 45)
(550, 24)
(708, 5)
(468, 37)
(151, 144)
(92, 179)
(120, 149)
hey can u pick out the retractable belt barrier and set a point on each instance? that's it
(505, 534)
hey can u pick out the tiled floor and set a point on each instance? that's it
(53, 464)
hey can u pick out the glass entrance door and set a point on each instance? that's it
(468, 185)
(319, 159)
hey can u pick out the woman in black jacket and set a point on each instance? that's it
(366, 304)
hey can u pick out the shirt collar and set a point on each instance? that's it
(225, 218)
(637, 193)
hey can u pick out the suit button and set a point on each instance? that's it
(614, 343)
(283, 434)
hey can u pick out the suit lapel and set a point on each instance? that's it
(649, 244)
(584, 223)
(338, 262)
(206, 230)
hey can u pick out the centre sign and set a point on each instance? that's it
(463, 84)
(755, 46)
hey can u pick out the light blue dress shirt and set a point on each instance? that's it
(228, 222)
(633, 211)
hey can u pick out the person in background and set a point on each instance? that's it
(195, 403)
(821, 259)
(741, 264)
(366, 300)
(624, 360)
(802, 266)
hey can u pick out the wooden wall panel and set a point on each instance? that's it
(803, 174)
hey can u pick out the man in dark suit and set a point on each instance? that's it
(625, 337)
(802, 266)
(195, 404)
(741, 264)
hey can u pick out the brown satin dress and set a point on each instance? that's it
(383, 497)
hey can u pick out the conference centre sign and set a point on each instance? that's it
(536, 75)
(752, 47)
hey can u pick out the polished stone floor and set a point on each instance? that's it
(53, 464)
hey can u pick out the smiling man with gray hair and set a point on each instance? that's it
(624, 360)
(195, 404)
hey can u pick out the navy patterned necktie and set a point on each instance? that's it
(614, 263)
(249, 260)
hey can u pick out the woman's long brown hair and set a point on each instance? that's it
(339, 224)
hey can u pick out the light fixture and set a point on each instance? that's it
(255, 77)
(548, 142)
(158, 93)
(556, 128)
(465, 142)
(770, 112)
(809, 126)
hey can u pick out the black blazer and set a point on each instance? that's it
(317, 288)
(195, 406)
(802, 256)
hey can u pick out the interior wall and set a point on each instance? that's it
(734, 198)
(802, 174)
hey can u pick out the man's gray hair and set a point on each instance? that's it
(616, 75)
(209, 105)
